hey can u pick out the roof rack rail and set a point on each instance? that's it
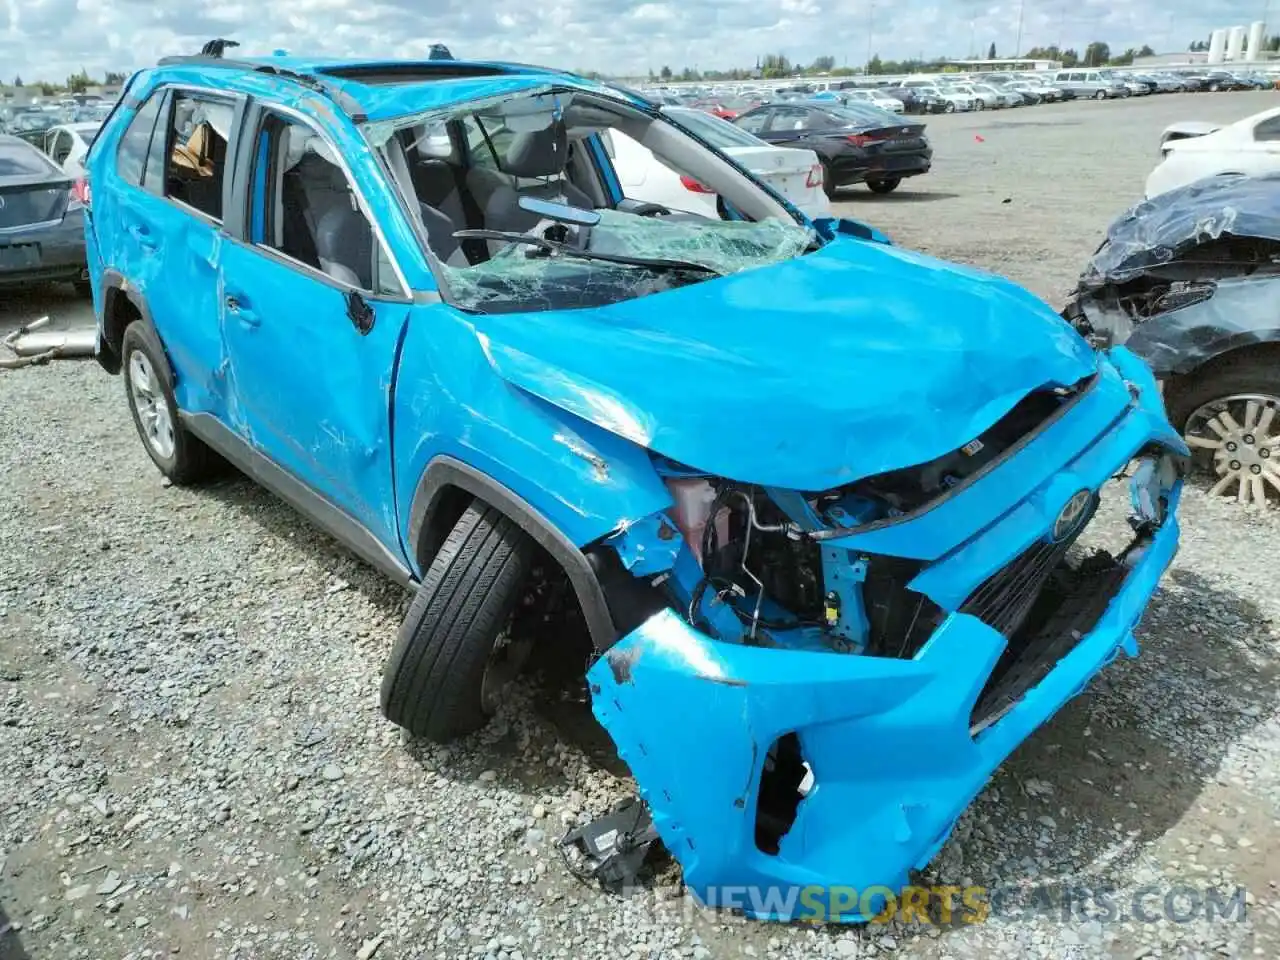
(348, 103)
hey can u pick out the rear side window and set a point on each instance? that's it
(196, 164)
(131, 155)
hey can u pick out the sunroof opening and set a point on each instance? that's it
(387, 74)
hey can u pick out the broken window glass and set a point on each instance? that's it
(465, 174)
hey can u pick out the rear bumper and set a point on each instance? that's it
(888, 741)
(850, 170)
(58, 252)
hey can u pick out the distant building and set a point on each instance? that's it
(982, 66)
(17, 96)
(1184, 58)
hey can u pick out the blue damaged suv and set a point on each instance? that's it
(820, 500)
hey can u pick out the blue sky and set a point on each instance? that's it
(51, 38)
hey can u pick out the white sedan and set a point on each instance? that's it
(67, 145)
(796, 174)
(874, 97)
(1250, 146)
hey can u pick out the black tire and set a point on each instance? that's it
(1100, 95)
(1248, 372)
(433, 680)
(83, 288)
(950, 107)
(828, 182)
(191, 461)
(979, 104)
(884, 186)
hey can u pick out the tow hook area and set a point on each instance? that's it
(611, 849)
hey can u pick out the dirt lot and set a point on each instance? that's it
(192, 759)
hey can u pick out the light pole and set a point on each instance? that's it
(1017, 47)
(871, 26)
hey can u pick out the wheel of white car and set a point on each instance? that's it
(453, 656)
(181, 457)
(1100, 95)
(979, 104)
(1230, 417)
(949, 107)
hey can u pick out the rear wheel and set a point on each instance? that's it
(454, 654)
(828, 181)
(181, 457)
(979, 104)
(1229, 415)
(884, 186)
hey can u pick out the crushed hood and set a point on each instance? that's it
(850, 361)
(1165, 227)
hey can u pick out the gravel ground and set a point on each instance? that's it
(193, 760)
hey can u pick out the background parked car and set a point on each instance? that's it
(875, 97)
(41, 219)
(1250, 146)
(67, 145)
(1094, 84)
(981, 101)
(856, 142)
(796, 174)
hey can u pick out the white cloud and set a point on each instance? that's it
(50, 39)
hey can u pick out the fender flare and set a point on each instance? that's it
(111, 329)
(444, 473)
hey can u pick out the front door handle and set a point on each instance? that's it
(239, 308)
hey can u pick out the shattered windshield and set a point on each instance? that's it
(515, 198)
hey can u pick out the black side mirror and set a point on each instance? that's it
(359, 312)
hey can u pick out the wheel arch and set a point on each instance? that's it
(122, 305)
(443, 492)
(1241, 348)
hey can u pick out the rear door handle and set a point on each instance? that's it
(239, 307)
(142, 233)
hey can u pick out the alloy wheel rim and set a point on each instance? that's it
(150, 405)
(1240, 437)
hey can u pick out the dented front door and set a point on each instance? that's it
(306, 387)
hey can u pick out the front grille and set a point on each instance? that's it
(1005, 599)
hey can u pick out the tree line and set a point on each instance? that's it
(776, 66)
(75, 83)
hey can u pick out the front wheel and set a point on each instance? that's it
(884, 186)
(979, 105)
(1100, 95)
(454, 655)
(1230, 417)
(949, 107)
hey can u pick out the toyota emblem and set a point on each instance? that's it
(1072, 515)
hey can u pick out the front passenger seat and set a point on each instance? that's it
(541, 153)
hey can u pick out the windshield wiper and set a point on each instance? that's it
(561, 249)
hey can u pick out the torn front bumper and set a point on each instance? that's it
(889, 742)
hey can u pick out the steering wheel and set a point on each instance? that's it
(650, 210)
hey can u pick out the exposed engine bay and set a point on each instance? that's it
(767, 567)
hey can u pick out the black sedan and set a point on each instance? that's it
(41, 219)
(857, 143)
(916, 100)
